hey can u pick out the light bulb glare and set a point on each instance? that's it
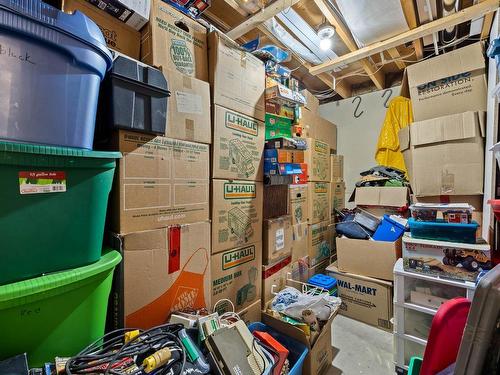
(325, 44)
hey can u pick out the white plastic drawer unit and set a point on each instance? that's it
(424, 292)
(412, 322)
(406, 348)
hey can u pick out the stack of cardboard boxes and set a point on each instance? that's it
(159, 210)
(237, 82)
(448, 95)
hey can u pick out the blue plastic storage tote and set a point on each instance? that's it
(297, 351)
(441, 230)
(51, 65)
(389, 230)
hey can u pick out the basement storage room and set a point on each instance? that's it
(249, 187)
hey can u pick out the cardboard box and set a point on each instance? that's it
(164, 270)
(320, 238)
(280, 110)
(238, 146)
(337, 167)
(275, 201)
(450, 83)
(237, 275)
(188, 115)
(298, 203)
(274, 155)
(277, 239)
(236, 213)
(299, 179)
(117, 35)
(315, 126)
(317, 157)
(320, 356)
(338, 196)
(166, 45)
(300, 237)
(160, 181)
(380, 200)
(134, 13)
(252, 313)
(451, 260)
(237, 78)
(319, 268)
(274, 274)
(319, 201)
(364, 298)
(312, 103)
(457, 142)
(368, 258)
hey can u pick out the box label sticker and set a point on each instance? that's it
(188, 103)
(280, 239)
(235, 258)
(239, 191)
(242, 124)
(39, 182)
(182, 57)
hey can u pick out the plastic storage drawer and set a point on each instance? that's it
(442, 231)
(134, 97)
(53, 71)
(58, 314)
(53, 203)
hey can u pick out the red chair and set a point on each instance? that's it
(444, 338)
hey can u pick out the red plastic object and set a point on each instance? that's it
(444, 338)
(495, 205)
(270, 341)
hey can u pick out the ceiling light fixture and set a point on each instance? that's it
(325, 34)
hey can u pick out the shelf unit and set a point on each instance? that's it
(416, 300)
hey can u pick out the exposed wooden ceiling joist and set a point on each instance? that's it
(487, 21)
(233, 4)
(410, 13)
(468, 14)
(260, 17)
(394, 53)
(342, 88)
(377, 76)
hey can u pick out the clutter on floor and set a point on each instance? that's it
(179, 193)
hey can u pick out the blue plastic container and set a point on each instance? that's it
(441, 230)
(389, 230)
(323, 281)
(51, 65)
(297, 351)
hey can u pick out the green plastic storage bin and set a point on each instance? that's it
(61, 228)
(57, 314)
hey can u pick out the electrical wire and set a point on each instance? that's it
(111, 349)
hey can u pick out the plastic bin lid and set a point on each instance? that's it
(322, 281)
(394, 222)
(28, 148)
(77, 25)
(23, 292)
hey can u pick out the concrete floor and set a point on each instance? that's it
(360, 349)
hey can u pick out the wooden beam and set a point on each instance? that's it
(487, 21)
(464, 15)
(410, 13)
(342, 88)
(376, 75)
(233, 4)
(395, 55)
(260, 17)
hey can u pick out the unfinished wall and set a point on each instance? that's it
(358, 121)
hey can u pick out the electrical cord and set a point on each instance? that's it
(115, 349)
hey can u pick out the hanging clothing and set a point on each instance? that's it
(398, 116)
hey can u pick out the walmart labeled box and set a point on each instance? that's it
(236, 213)
(172, 40)
(164, 270)
(453, 82)
(238, 146)
(161, 181)
(237, 275)
(457, 142)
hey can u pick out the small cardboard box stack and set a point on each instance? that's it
(237, 83)
(337, 183)
(448, 95)
(160, 202)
